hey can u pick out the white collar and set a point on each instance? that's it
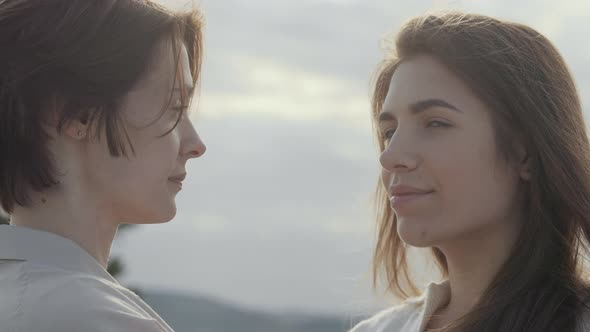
(434, 297)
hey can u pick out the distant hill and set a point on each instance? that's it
(200, 314)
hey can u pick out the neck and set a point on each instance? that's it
(473, 262)
(71, 216)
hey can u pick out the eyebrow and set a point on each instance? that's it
(420, 106)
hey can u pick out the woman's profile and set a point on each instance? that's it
(94, 133)
(485, 161)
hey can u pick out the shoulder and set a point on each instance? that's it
(61, 300)
(393, 319)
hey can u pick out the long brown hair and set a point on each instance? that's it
(523, 79)
(85, 56)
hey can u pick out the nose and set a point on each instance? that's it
(399, 155)
(191, 145)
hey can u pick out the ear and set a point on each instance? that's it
(77, 129)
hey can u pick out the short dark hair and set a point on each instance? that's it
(84, 55)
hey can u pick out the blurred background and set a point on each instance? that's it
(275, 228)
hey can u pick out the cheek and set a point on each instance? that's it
(140, 174)
(477, 187)
(139, 192)
(153, 165)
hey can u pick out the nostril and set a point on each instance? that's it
(198, 151)
(201, 150)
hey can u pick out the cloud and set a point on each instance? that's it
(275, 171)
(261, 85)
(284, 48)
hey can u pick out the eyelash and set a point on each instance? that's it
(439, 124)
(387, 134)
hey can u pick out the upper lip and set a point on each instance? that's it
(179, 177)
(399, 190)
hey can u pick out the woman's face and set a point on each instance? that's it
(444, 175)
(142, 187)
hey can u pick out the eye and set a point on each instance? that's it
(387, 134)
(437, 123)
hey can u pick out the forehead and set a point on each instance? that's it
(162, 70)
(424, 77)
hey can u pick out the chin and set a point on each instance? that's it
(415, 235)
(160, 215)
(165, 217)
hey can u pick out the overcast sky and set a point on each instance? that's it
(277, 215)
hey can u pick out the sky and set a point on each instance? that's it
(277, 215)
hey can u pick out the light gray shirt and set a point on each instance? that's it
(48, 283)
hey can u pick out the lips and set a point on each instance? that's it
(179, 182)
(178, 179)
(400, 195)
(403, 190)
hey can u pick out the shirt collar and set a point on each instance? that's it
(435, 296)
(27, 244)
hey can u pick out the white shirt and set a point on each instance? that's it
(415, 313)
(412, 315)
(48, 283)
